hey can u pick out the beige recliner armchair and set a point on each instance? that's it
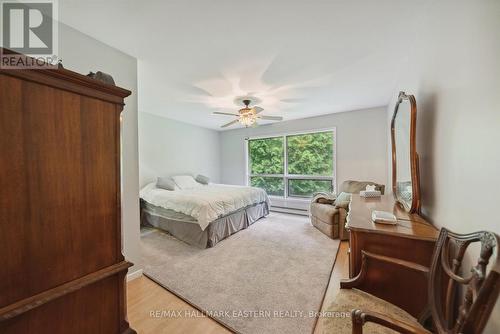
(328, 212)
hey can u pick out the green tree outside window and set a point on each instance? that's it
(308, 155)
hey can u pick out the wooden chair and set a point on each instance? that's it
(479, 288)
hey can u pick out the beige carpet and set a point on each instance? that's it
(269, 278)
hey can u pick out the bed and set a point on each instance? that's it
(204, 215)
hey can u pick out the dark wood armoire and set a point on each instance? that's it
(61, 263)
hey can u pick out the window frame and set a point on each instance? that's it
(285, 176)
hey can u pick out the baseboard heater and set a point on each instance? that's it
(302, 212)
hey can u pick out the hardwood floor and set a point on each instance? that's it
(340, 270)
(147, 300)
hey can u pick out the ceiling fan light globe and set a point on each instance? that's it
(247, 120)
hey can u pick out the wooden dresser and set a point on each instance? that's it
(62, 269)
(410, 242)
(412, 239)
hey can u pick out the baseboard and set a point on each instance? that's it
(133, 275)
(299, 212)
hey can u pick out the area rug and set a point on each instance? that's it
(268, 278)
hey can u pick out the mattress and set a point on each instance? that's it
(166, 213)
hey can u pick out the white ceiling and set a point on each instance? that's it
(301, 58)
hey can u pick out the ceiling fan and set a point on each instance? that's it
(248, 116)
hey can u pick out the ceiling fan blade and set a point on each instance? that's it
(271, 118)
(257, 109)
(230, 123)
(224, 113)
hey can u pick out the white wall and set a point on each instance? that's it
(454, 72)
(81, 53)
(361, 142)
(169, 147)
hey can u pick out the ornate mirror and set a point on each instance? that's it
(405, 174)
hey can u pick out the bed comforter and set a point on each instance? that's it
(205, 203)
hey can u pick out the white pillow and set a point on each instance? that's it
(166, 183)
(186, 182)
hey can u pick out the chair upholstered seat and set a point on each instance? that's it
(324, 212)
(325, 219)
(339, 320)
(329, 215)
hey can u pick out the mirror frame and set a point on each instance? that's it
(415, 175)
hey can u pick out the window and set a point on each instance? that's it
(267, 165)
(294, 165)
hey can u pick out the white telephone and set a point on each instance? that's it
(384, 217)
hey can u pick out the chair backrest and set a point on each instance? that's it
(463, 304)
(354, 187)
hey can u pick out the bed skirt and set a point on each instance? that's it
(216, 231)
